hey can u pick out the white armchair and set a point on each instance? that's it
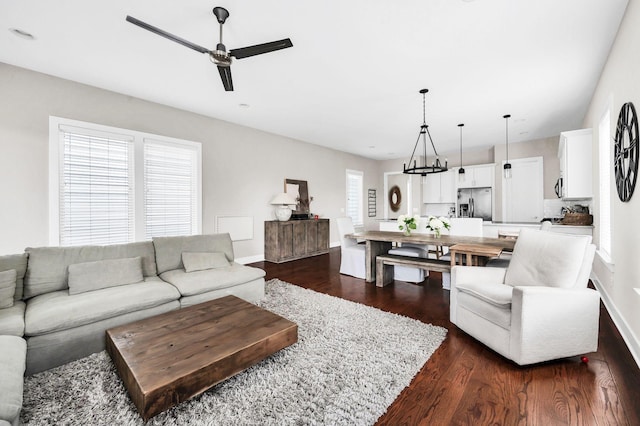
(539, 308)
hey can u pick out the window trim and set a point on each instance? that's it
(606, 252)
(55, 123)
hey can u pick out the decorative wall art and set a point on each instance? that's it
(625, 154)
(395, 198)
(299, 190)
(371, 203)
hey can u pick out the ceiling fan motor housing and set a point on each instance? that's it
(220, 56)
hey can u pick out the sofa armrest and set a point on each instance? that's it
(566, 320)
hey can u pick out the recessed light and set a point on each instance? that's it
(243, 105)
(22, 33)
(524, 133)
(372, 146)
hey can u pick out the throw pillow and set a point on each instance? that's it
(200, 261)
(90, 276)
(7, 288)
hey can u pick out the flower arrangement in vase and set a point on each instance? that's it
(408, 223)
(436, 224)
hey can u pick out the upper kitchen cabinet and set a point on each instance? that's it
(575, 157)
(480, 176)
(439, 188)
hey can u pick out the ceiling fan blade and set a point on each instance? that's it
(258, 49)
(225, 76)
(165, 34)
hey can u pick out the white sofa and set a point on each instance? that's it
(539, 308)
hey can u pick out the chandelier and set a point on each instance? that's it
(418, 164)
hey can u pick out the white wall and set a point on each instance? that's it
(619, 82)
(243, 168)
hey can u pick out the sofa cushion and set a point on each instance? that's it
(59, 310)
(169, 249)
(546, 259)
(90, 276)
(19, 263)
(13, 358)
(48, 266)
(202, 261)
(198, 282)
(7, 288)
(12, 319)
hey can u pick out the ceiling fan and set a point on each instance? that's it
(219, 56)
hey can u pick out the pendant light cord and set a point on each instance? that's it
(461, 126)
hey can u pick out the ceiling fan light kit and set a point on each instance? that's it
(220, 57)
(422, 168)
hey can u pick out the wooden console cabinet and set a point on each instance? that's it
(295, 239)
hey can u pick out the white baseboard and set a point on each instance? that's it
(625, 331)
(249, 259)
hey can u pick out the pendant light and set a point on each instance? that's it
(461, 169)
(507, 164)
(421, 168)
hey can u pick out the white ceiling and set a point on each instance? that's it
(351, 80)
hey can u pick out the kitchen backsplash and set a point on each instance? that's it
(553, 206)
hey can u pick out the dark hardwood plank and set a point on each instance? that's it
(464, 382)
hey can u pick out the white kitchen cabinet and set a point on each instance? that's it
(574, 153)
(439, 188)
(480, 176)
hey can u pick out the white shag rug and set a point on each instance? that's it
(350, 363)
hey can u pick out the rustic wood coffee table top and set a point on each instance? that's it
(169, 358)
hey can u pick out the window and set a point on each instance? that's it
(110, 186)
(354, 197)
(171, 188)
(604, 162)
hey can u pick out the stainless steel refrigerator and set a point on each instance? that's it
(475, 202)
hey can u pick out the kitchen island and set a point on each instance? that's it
(494, 229)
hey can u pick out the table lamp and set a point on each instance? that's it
(283, 201)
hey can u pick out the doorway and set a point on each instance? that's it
(523, 194)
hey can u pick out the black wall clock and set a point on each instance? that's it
(625, 155)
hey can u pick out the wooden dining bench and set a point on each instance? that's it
(386, 262)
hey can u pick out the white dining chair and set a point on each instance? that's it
(352, 254)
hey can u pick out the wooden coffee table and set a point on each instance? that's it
(169, 358)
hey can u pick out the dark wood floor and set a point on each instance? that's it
(465, 383)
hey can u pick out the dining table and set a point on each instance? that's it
(380, 242)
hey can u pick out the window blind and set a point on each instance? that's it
(354, 197)
(96, 188)
(171, 189)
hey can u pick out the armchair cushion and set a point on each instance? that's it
(547, 259)
(493, 293)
